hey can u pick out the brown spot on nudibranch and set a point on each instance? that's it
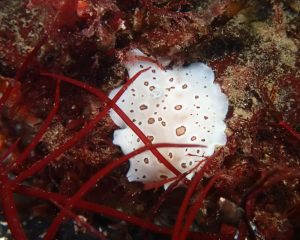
(180, 130)
(143, 107)
(151, 138)
(178, 107)
(151, 120)
(151, 88)
(146, 160)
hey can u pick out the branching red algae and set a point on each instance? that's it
(36, 167)
(254, 48)
(9, 206)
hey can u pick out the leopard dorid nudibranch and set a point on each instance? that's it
(181, 105)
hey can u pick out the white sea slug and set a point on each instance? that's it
(181, 105)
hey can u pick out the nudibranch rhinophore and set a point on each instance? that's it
(181, 105)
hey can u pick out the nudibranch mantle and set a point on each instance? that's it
(181, 105)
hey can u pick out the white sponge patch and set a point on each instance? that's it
(182, 105)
